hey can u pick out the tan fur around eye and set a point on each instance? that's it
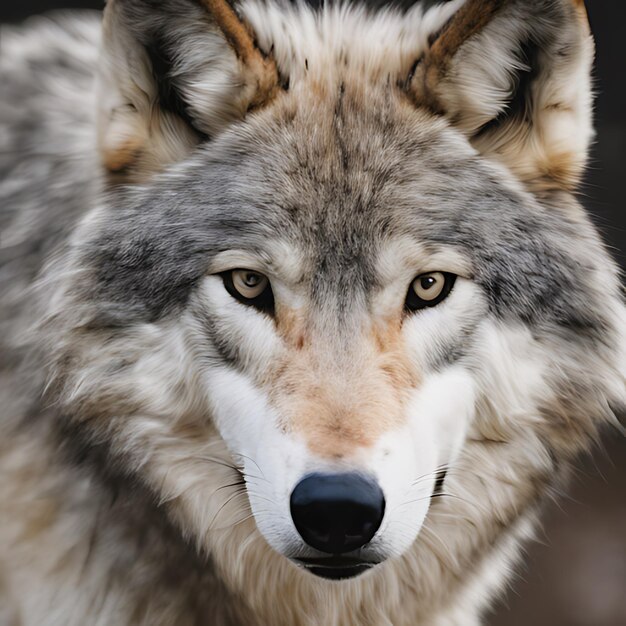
(340, 409)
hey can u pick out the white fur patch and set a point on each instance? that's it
(309, 42)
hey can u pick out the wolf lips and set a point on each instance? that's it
(336, 568)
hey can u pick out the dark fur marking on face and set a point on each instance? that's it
(441, 477)
(228, 351)
(448, 355)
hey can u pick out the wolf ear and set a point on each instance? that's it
(514, 75)
(172, 73)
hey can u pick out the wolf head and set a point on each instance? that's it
(347, 304)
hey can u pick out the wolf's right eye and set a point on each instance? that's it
(428, 290)
(250, 287)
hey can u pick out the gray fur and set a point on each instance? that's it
(525, 253)
(92, 264)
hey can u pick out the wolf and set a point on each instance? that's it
(302, 321)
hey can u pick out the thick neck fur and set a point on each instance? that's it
(73, 524)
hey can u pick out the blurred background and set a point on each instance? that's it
(576, 574)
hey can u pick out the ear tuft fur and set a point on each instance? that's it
(514, 75)
(170, 76)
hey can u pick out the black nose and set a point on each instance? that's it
(337, 513)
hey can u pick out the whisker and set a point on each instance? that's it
(218, 461)
(254, 477)
(243, 456)
(228, 501)
(477, 506)
(446, 467)
(256, 495)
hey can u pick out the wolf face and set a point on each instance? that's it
(361, 319)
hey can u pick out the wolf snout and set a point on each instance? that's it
(337, 513)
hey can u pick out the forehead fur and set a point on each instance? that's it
(337, 169)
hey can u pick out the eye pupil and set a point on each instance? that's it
(252, 280)
(427, 282)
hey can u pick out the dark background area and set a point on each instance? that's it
(575, 575)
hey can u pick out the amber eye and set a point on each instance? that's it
(249, 287)
(428, 290)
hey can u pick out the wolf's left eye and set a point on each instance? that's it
(249, 287)
(428, 290)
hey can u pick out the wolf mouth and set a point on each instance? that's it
(335, 567)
